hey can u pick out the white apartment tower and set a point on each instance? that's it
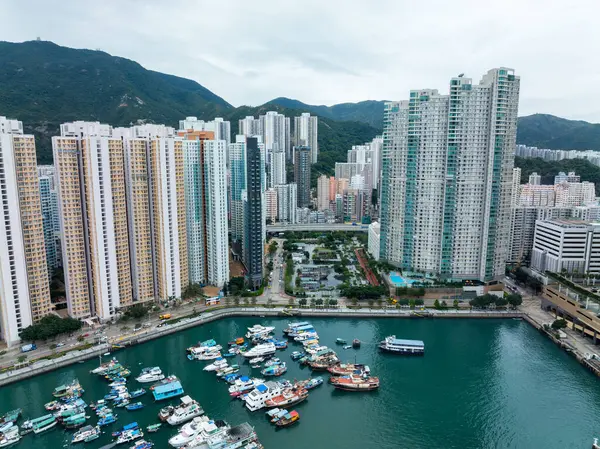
(306, 134)
(287, 198)
(24, 289)
(447, 178)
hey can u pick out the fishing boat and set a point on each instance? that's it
(356, 343)
(404, 347)
(274, 370)
(86, 434)
(312, 383)
(184, 412)
(288, 419)
(296, 355)
(289, 396)
(142, 444)
(150, 375)
(340, 341)
(137, 393)
(130, 435)
(74, 421)
(10, 436)
(275, 414)
(167, 391)
(108, 419)
(293, 326)
(52, 405)
(104, 367)
(345, 369)
(134, 406)
(355, 382)
(218, 364)
(153, 427)
(259, 331)
(43, 423)
(73, 390)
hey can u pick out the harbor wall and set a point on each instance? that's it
(144, 335)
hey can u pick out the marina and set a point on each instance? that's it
(503, 358)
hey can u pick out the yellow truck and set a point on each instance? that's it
(165, 316)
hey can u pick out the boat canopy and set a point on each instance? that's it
(415, 343)
(261, 388)
(186, 400)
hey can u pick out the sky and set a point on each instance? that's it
(336, 51)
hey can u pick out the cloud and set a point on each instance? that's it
(334, 51)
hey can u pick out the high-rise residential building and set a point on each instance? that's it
(306, 134)
(277, 173)
(374, 240)
(302, 164)
(347, 170)
(563, 177)
(220, 128)
(50, 219)
(205, 189)
(24, 290)
(376, 153)
(332, 188)
(250, 126)
(287, 203)
(253, 197)
(271, 199)
(534, 179)
(323, 195)
(341, 185)
(90, 168)
(447, 177)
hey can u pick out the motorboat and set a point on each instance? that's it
(137, 393)
(218, 364)
(134, 406)
(243, 385)
(85, 434)
(130, 435)
(142, 444)
(212, 432)
(150, 375)
(259, 331)
(255, 400)
(187, 410)
(205, 353)
(190, 430)
(10, 436)
(260, 351)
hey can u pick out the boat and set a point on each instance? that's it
(122, 403)
(187, 410)
(348, 347)
(168, 390)
(293, 326)
(312, 383)
(72, 390)
(306, 336)
(108, 419)
(289, 396)
(356, 343)
(274, 370)
(10, 417)
(322, 363)
(255, 400)
(134, 406)
(340, 341)
(218, 364)
(242, 436)
(228, 354)
(231, 378)
(239, 341)
(275, 414)
(259, 331)
(212, 435)
(243, 385)
(205, 344)
(404, 347)
(190, 430)
(355, 382)
(280, 344)
(52, 405)
(142, 444)
(153, 427)
(260, 351)
(296, 355)
(228, 370)
(150, 375)
(43, 423)
(137, 393)
(288, 419)
(130, 426)
(10, 436)
(130, 435)
(74, 421)
(205, 353)
(256, 360)
(104, 367)
(344, 369)
(165, 412)
(86, 434)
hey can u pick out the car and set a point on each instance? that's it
(161, 324)
(86, 335)
(60, 345)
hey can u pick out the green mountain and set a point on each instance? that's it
(370, 112)
(549, 131)
(43, 85)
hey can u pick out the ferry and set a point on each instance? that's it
(288, 419)
(153, 374)
(10, 436)
(355, 382)
(86, 434)
(260, 351)
(289, 396)
(259, 331)
(404, 347)
(190, 430)
(218, 364)
(187, 410)
(167, 391)
(42, 424)
(255, 400)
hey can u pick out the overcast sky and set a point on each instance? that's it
(334, 51)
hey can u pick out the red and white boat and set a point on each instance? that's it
(289, 396)
(355, 382)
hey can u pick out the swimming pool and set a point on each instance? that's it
(399, 281)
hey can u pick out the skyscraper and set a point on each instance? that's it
(323, 202)
(306, 134)
(447, 176)
(49, 208)
(302, 164)
(287, 203)
(271, 199)
(253, 209)
(24, 290)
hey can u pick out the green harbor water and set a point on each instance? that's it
(481, 384)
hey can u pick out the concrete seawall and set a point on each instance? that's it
(45, 366)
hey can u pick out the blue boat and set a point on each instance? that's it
(274, 370)
(136, 406)
(110, 397)
(314, 382)
(296, 355)
(137, 393)
(228, 354)
(167, 391)
(108, 419)
(231, 378)
(130, 426)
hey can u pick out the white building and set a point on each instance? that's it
(221, 128)
(306, 134)
(447, 178)
(287, 203)
(573, 246)
(271, 199)
(374, 239)
(535, 179)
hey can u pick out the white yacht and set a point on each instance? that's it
(153, 374)
(205, 353)
(243, 385)
(307, 336)
(259, 331)
(10, 436)
(190, 430)
(188, 409)
(404, 347)
(255, 400)
(218, 364)
(260, 350)
(212, 432)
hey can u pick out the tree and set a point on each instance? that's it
(455, 304)
(419, 302)
(514, 300)
(291, 301)
(273, 247)
(50, 326)
(444, 305)
(559, 324)
(319, 302)
(227, 301)
(253, 300)
(436, 304)
(380, 303)
(21, 358)
(137, 311)
(270, 302)
(81, 339)
(236, 301)
(312, 303)
(333, 302)
(192, 291)
(246, 302)
(371, 302)
(500, 301)
(302, 302)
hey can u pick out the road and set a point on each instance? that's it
(324, 227)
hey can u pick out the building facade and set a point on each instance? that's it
(323, 194)
(302, 165)
(374, 240)
(447, 177)
(287, 203)
(253, 245)
(306, 132)
(51, 223)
